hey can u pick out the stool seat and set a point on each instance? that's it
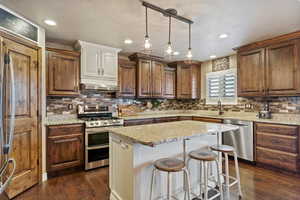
(169, 164)
(203, 155)
(222, 148)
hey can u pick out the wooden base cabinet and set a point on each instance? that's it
(62, 72)
(65, 147)
(278, 146)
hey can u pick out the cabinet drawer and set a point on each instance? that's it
(277, 129)
(278, 159)
(62, 130)
(206, 119)
(277, 142)
(165, 119)
(135, 122)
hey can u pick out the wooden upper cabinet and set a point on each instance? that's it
(62, 72)
(270, 67)
(127, 78)
(282, 66)
(157, 75)
(188, 80)
(150, 76)
(251, 73)
(169, 89)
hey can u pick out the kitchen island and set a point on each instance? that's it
(134, 149)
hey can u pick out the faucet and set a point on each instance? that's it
(220, 107)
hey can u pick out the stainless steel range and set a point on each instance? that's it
(97, 118)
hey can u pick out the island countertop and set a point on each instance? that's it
(154, 134)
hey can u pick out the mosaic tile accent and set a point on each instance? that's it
(220, 64)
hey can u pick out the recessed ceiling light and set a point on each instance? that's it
(128, 41)
(50, 22)
(222, 36)
(213, 56)
(176, 53)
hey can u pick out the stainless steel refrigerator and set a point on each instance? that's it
(7, 119)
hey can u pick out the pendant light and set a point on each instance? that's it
(169, 46)
(147, 43)
(189, 54)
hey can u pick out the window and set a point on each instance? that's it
(221, 86)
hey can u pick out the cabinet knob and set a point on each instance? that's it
(98, 71)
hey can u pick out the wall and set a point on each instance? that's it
(60, 105)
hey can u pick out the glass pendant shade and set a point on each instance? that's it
(147, 43)
(189, 54)
(169, 49)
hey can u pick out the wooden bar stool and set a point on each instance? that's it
(225, 149)
(207, 157)
(170, 165)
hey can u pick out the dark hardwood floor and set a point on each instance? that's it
(257, 184)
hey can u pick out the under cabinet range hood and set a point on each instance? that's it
(99, 66)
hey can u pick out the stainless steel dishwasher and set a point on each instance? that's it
(241, 139)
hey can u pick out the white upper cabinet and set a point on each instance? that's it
(99, 65)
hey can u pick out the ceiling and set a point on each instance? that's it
(110, 22)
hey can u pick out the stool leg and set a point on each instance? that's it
(187, 184)
(200, 176)
(184, 176)
(205, 181)
(152, 182)
(227, 175)
(237, 171)
(169, 185)
(219, 181)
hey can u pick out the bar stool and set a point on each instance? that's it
(207, 157)
(225, 149)
(170, 165)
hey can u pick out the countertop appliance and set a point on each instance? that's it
(7, 122)
(241, 139)
(265, 113)
(97, 118)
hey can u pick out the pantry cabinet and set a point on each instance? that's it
(270, 68)
(62, 63)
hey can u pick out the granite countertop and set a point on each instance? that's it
(277, 119)
(151, 134)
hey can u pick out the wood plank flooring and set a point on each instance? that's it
(257, 184)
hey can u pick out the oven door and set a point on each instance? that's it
(96, 148)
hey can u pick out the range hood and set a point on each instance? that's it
(99, 66)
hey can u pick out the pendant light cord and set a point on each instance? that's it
(169, 30)
(146, 22)
(190, 27)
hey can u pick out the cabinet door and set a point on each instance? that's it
(144, 78)
(251, 73)
(64, 152)
(283, 76)
(60, 66)
(92, 61)
(109, 64)
(157, 74)
(169, 83)
(184, 84)
(127, 79)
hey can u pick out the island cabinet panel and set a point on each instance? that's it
(270, 67)
(127, 79)
(278, 146)
(64, 147)
(188, 79)
(135, 122)
(169, 89)
(62, 72)
(207, 119)
(283, 73)
(251, 72)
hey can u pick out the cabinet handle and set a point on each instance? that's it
(102, 71)
(98, 71)
(65, 140)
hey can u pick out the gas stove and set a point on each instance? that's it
(98, 116)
